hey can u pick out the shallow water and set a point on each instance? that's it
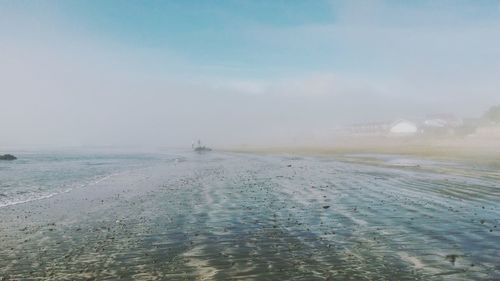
(42, 175)
(234, 216)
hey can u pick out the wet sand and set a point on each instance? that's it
(223, 216)
(484, 150)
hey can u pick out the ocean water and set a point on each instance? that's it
(36, 176)
(223, 216)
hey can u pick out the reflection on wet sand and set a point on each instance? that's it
(247, 217)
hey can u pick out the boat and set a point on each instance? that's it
(200, 148)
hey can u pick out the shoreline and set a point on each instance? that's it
(466, 150)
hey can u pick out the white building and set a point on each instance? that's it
(403, 128)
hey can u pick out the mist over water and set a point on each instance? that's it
(133, 74)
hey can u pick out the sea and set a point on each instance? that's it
(41, 175)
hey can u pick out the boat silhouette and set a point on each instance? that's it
(200, 148)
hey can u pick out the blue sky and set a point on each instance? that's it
(262, 38)
(271, 35)
(283, 68)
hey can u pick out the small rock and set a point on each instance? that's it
(452, 258)
(8, 157)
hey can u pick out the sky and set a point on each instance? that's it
(165, 73)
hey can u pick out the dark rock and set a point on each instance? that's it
(8, 157)
(452, 258)
(326, 207)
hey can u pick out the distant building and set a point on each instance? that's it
(449, 120)
(403, 128)
(400, 127)
(441, 124)
(367, 129)
(435, 123)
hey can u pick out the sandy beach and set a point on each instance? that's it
(224, 216)
(484, 150)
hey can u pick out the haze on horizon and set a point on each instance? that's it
(164, 73)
